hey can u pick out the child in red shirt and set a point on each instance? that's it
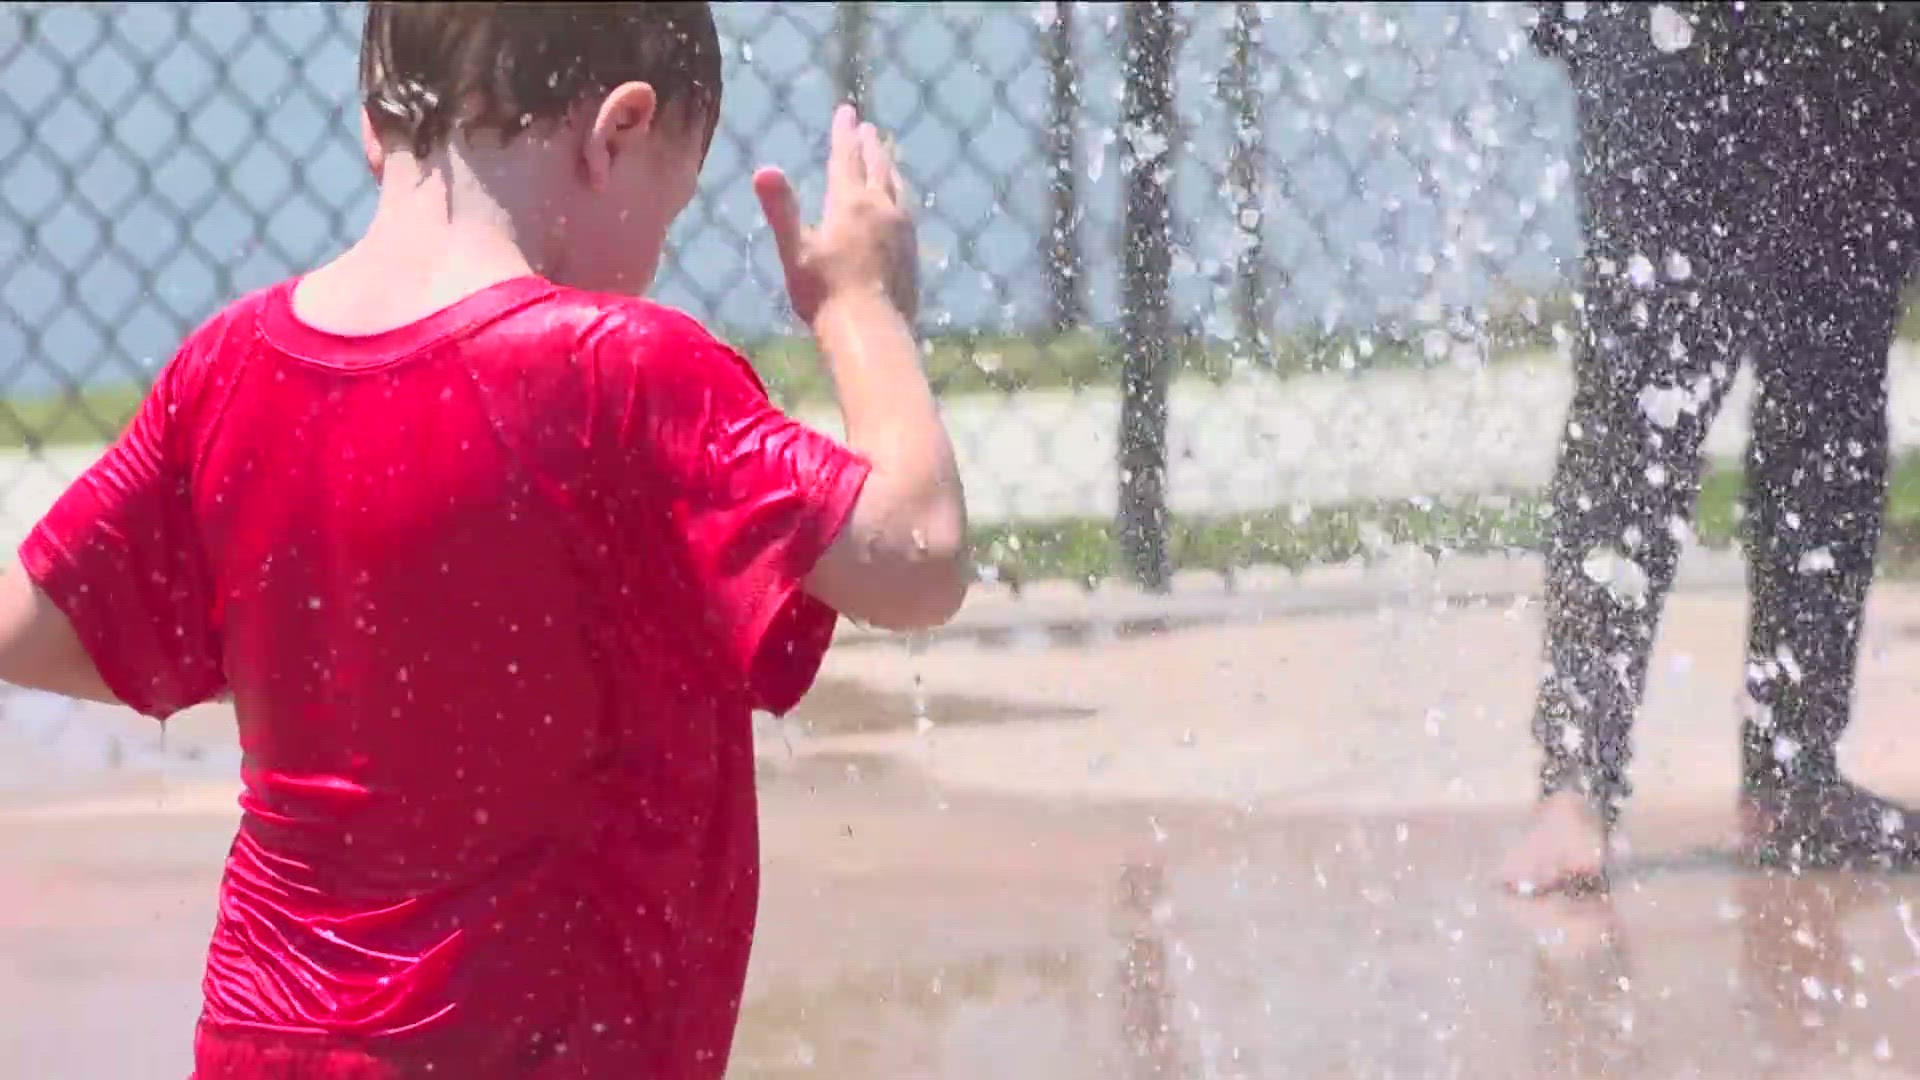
(495, 560)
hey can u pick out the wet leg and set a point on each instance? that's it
(1654, 362)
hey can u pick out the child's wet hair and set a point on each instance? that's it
(428, 70)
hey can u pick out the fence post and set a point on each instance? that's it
(1240, 92)
(850, 21)
(1147, 132)
(1066, 285)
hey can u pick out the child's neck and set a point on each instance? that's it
(434, 239)
(437, 222)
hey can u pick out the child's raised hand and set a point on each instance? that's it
(864, 243)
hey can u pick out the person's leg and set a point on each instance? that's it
(1816, 483)
(1817, 463)
(1662, 263)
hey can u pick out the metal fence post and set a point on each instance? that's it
(850, 21)
(1147, 132)
(1240, 92)
(1066, 284)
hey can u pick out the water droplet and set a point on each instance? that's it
(1785, 749)
(1789, 663)
(1817, 561)
(1625, 580)
(1671, 30)
(1640, 271)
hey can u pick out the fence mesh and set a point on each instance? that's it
(1206, 284)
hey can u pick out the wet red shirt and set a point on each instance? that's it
(495, 595)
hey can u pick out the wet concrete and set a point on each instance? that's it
(909, 936)
(1162, 942)
(1042, 862)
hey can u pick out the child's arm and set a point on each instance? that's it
(39, 649)
(901, 560)
(109, 599)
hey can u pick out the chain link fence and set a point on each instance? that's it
(1208, 285)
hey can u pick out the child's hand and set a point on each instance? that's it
(864, 243)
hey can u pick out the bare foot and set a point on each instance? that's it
(1563, 851)
(1568, 930)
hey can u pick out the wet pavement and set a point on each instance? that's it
(1219, 851)
(902, 938)
(1282, 946)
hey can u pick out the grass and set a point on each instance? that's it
(1007, 363)
(1085, 550)
(90, 415)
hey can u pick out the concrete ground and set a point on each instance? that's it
(1230, 835)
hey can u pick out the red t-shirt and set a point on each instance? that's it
(495, 595)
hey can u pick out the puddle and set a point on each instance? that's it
(1291, 946)
(1080, 634)
(842, 706)
(984, 1015)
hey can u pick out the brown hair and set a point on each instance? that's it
(429, 70)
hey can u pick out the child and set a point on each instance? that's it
(496, 560)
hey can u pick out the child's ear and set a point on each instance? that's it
(370, 146)
(624, 118)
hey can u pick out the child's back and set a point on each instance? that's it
(495, 571)
(464, 578)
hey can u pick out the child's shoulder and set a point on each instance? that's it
(658, 341)
(636, 320)
(229, 332)
(242, 314)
